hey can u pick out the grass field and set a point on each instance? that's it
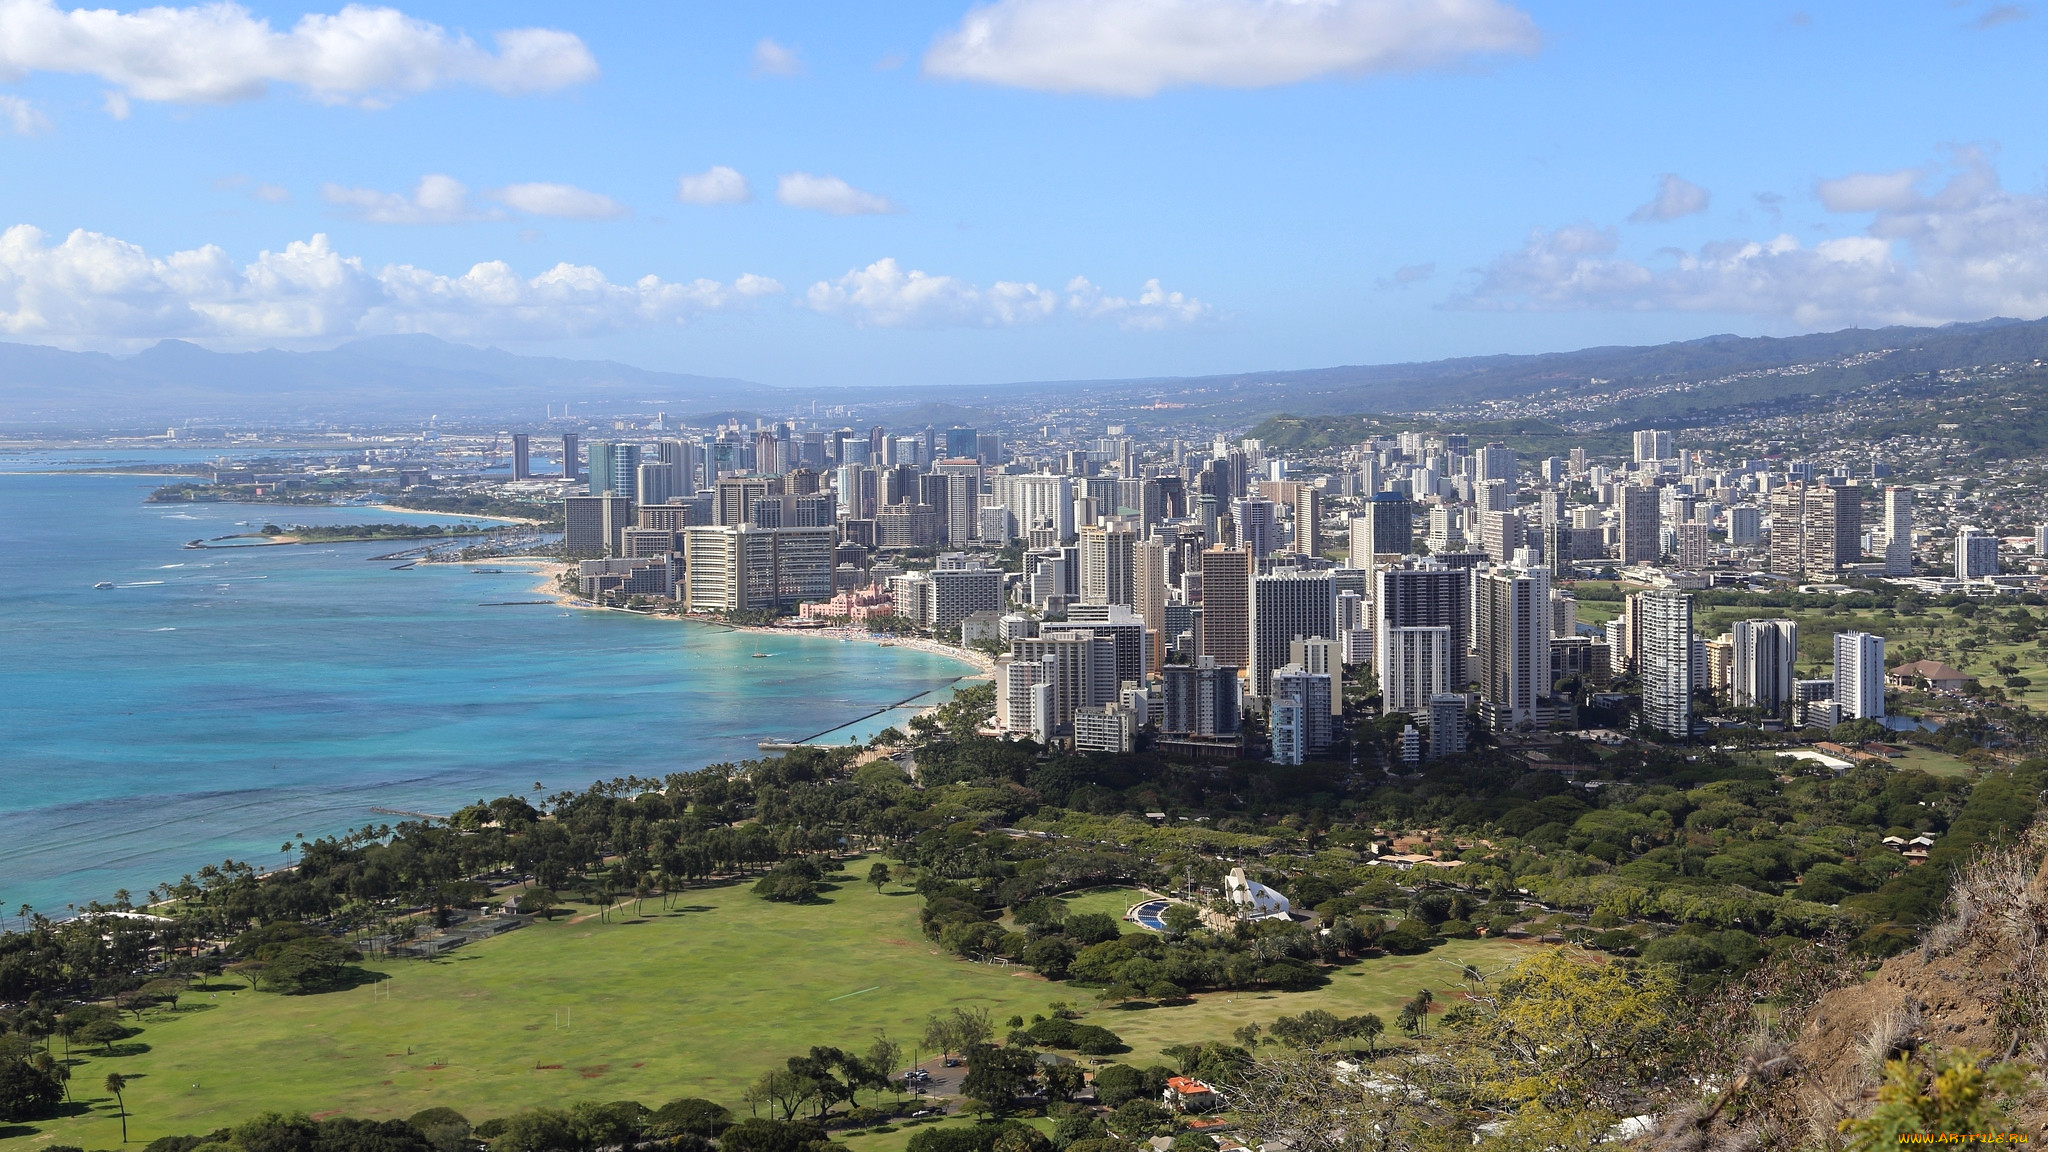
(696, 1001)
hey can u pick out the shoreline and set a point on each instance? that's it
(983, 664)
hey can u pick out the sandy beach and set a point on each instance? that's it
(551, 570)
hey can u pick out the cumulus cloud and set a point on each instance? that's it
(1998, 14)
(1676, 196)
(1871, 191)
(21, 117)
(93, 290)
(437, 199)
(718, 185)
(564, 200)
(1966, 251)
(772, 59)
(829, 194)
(218, 52)
(886, 295)
(1138, 47)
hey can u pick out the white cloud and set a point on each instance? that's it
(21, 117)
(829, 194)
(719, 185)
(272, 194)
(1676, 196)
(1138, 47)
(92, 290)
(564, 200)
(437, 200)
(1967, 251)
(772, 59)
(1871, 191)
(219, 52)
(885, 295)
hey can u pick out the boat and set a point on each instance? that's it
(104, 584)
(488, 571)
(760, 655)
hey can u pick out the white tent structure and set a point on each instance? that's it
(1253, 900)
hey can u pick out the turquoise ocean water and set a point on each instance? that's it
(216, 703)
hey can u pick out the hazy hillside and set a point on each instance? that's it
(411, 377)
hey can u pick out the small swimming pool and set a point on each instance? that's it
(1151, 914)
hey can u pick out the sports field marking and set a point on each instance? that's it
(850, 995)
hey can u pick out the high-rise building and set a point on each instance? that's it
(1511, 638)
(1501, 534)
(1652, 446)
(522, 468)
(1976, 553)
(1304, 503)
(1201, 699)
(1859, 675)
(1149, 576)
(1429, 595)
(655, 483)
(1287, 605)
(1765, 652)
(1414, 665)
(1227, 606)
(1641, 524)
(571, 458)
(1037, 501)
(1124, 628)
(1387, 526)
(1494, 462)
(595, 525)
(735, 498)
(680, 456)
(1665, 618)
(1322, 656)
(1108, 558)
(1258, 525)
(1745, 524)
(1082, 666)
(1448, 730)
(743, 568)
(1692, 546)
(1815, 529)
(615, 469)
(1300, 711)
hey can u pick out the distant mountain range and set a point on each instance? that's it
(413, 377)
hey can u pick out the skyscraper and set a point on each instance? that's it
(1201, 699)
(1494, 462)
(1108, 556)
(1692, 546)
(521, 466)
(1641, 523)
(1300, 713)
(1665, 618)
(1428, 595)
(1287, 605)
(1258, 527)
(1389, 527)
(1976, 553)
(1898, 531)
(1226, 606)
(571, 458)
(1148, 595)
(1500, 534)
(1765, 653)
(1511, 637)
(615, 469)
(1859, 675)
(1815, 529)
(1652, 446)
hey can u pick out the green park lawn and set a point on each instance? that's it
(693, 1001)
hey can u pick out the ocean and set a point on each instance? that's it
(218, 703)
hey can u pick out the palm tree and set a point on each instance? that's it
(23, 912)
(115, 1083)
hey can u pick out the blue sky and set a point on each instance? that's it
(1299, 182)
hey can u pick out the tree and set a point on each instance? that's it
(1962, 1096)
(997, 1076)
(878, 875)
(117, 1083)
(104, 1032)
(26, 1092)
(1181, 919)
(882, 1055)
(539, 902)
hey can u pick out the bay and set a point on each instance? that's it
(218, 703)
